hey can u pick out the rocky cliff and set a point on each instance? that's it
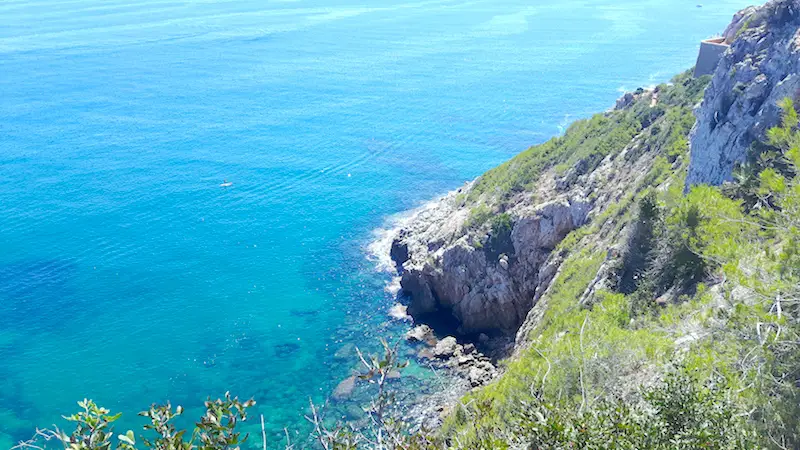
(455, 259)
(594, 259)
(445, 271)
(485, 254)
(760, 68)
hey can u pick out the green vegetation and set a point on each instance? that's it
(686, 338)
(216, 429)
(578, 385)
(586, 142)
(499, 241)
(745, 26)
(589, 140)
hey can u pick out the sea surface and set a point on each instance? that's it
(128, 275)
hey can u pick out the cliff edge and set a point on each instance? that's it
(741, 104)
(485, 254)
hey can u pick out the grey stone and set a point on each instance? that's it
(503, 262)
(758, 71)
(347, 351)
(478, 376)
(446, 347)
(425, 353)
(421, 333)
(445, 272)
(345, 388)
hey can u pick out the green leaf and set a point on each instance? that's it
(772, 182)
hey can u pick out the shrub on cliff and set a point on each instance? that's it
(588, 141)
(679, 412)
(499, 239)
(739, 339)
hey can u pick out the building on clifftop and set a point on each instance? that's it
(711, 51)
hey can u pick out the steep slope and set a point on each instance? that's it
(760, 69)
(485, 254)
(610, 271)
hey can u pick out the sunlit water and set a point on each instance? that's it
(128, 275)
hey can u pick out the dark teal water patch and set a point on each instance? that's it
(130, 276)
(37, 296)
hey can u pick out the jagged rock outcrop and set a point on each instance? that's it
(465, 361)
(443, 257)
(761, 68)
(446, 270)
(527, 282)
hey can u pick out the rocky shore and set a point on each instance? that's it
(463, 359)
(452, 268)
(453, 370)
(448, 273)
(446, 276)
(489, 285)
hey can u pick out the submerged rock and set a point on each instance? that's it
(354, 412)
(344, 389)
(285, 350)
(346, 352)
(425, 353)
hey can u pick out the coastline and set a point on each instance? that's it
(442, 265)
(456, 364)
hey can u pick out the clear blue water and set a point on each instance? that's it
(128, 275)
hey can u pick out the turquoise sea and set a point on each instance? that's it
(129, 275)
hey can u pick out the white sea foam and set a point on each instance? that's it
(379, 247)
(393, 287)
(562, 126)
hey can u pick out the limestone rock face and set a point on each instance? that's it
(761, 68)
(447, 270)
(482, 292)
(451, 266)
